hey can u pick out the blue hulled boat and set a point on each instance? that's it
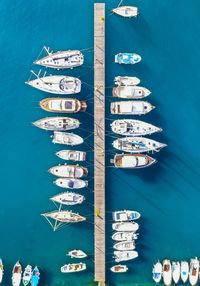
(35, 277)
(127, 58)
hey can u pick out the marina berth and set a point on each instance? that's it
(68, 199)
(1, 270)
(57, 123)
(35, 276)
(126, 11)
(130, 107)
(176, 271)
(125, 236)
(132, 161)
(167, 272)
(127, 58)
(132, 127)
(72, 155)
(64, 216)
(125, 215)
(124, 245)
(157, 272)
(119, 268)
(125, 226)
(130, 92)
(184, 271)
(61, 59)
(74, 267)
(126, 80)
(66, 138)
(27, 275)
(68, 183)
(125, 255)
(56, 84)
(17, 274)
(69, 171)
(77, 254)
(194, 271)
(63, 105)
(137, 144)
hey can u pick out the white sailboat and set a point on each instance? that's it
(130, 107)
(64, 216)
(124, 245)
(125, 255)
(130, 92)
(68, 199)
(126, 11)
(157, 272)
(119, 268)
(132, 161)
(68, 183)
(27, 275)
(72, 155)
(63, 105)
(125, 226)
(126, 80)
(17, 274)
(77, 254)
(73, 267)
(176, 271)
(57, 123)
(66, 138)
(125, 236)
(125, 215)
(167, 272)
(184, 271)
(69, 171)
(194, 271)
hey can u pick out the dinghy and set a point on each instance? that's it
(126, 11)
(130, 92)
(124, 245)
(132, 127)
(57, 123)
(126, 80)
(68, 199)
(125, 215)
(74, 267)
(130, 107)
(184, 271)
(77, 254)
(69, 171)
(27, 275)
(1, 270)
(64, 216)
(137, 144)
(63, 105)
(125, 255)
(66, 138)
(167, 272)
(35, 276)
(17, 274)
(119, 268)
(132, 161)
(72, 155)
(67, 183)
(194, 271)
(176, 271)
(157, 272)
(127, 58)
(125, 236)
(125, 226)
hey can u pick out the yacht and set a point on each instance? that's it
(125, 215)
(184, 271)
(125, 255)
(57, 123)
(66, 138)
(125, 226)
(124, 245)
(77, 254)
(1, 270)
(157, 272)
(137, 144)
(132, 127)
(63, 105)
(167, 272)
(126, 80)
(125, 236)
(72, 155)
(35, 276)
(119, 268)
(68, 199)
(126, 11)
(194, 271)
(73, 267)
(68, 183)
(17, 274)
(130, 92)
(176, 271)
(132, 161)
(27, 275)
(130, 107)
(69, 171)
(127, 58)
(64, 216)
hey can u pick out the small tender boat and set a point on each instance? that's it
(17, 274)
(125, 226)
(64, 216)
(127, 58)
(72, 155)
(77, 254)
(131, 92)
(137, 144)
(119, 268)
(130, 107)
(132, 127)
(167, 272)
(57, 123)
(68, 199)
(184, 271)
(63, 105)
(27, 275)
(74, 267)
(126, 11)
(66, 138)
(194, 271)
(126, 80)
(176, 271)
(125, 236)
(157, 272)
(124, 245)
(35, 276)
(132, 161)
(125, 255)
(61, 59)
(1, 270)
(69, 171)
(125, 215)
(67, 183)
(56, 84)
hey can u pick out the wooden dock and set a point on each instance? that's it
(99, 141)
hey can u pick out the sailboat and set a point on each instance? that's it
(126, 80)
(57, 123)
(132, 161)
(68, 199)
(131, 107)
(77, 254)
(184, 271)
(125, 255)
(72, 155)
(35, 276)
(63, 105)
(124, 245)
(125, 226)
(130, 92)
(119, 268)
(126, 11)
(167, 272)
(1, 270)
(127, 58)
(157, 272)
(73, 267)
(64, 216)
(16, 274)
(176, 271)
(125, 236)
(194, 271)
(66, 138)
(69, 171)
(27, 275)
(125, 215)
(68, 183)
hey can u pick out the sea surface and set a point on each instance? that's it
(166, 35)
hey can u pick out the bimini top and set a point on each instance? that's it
(127, 58)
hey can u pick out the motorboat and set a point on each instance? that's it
(35, 276)
(68, 199)
(132, 127)
(176, 271)
(194, 271)
(137, 144)
(72, 155)
(56, 84)
(68, 183)
(130, 92)
(17, 274)
(125, 215)
(57, 123)
(73, 267)
(126, 80)
(126, 11)
(1, 270)
(131, 107)
(167, 272)
(157, 272)
(124, 245)
(125, 226)
(64, 216)
(77, 254)
(27, 275)
(132, 161)
(119, 268)
(63, 105)
(66, 138)
(127, 58)
(125, 255)
(69, 171)
(125, 236)
(61, 59)
(184, 271)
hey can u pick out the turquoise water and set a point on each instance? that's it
(166, 35)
